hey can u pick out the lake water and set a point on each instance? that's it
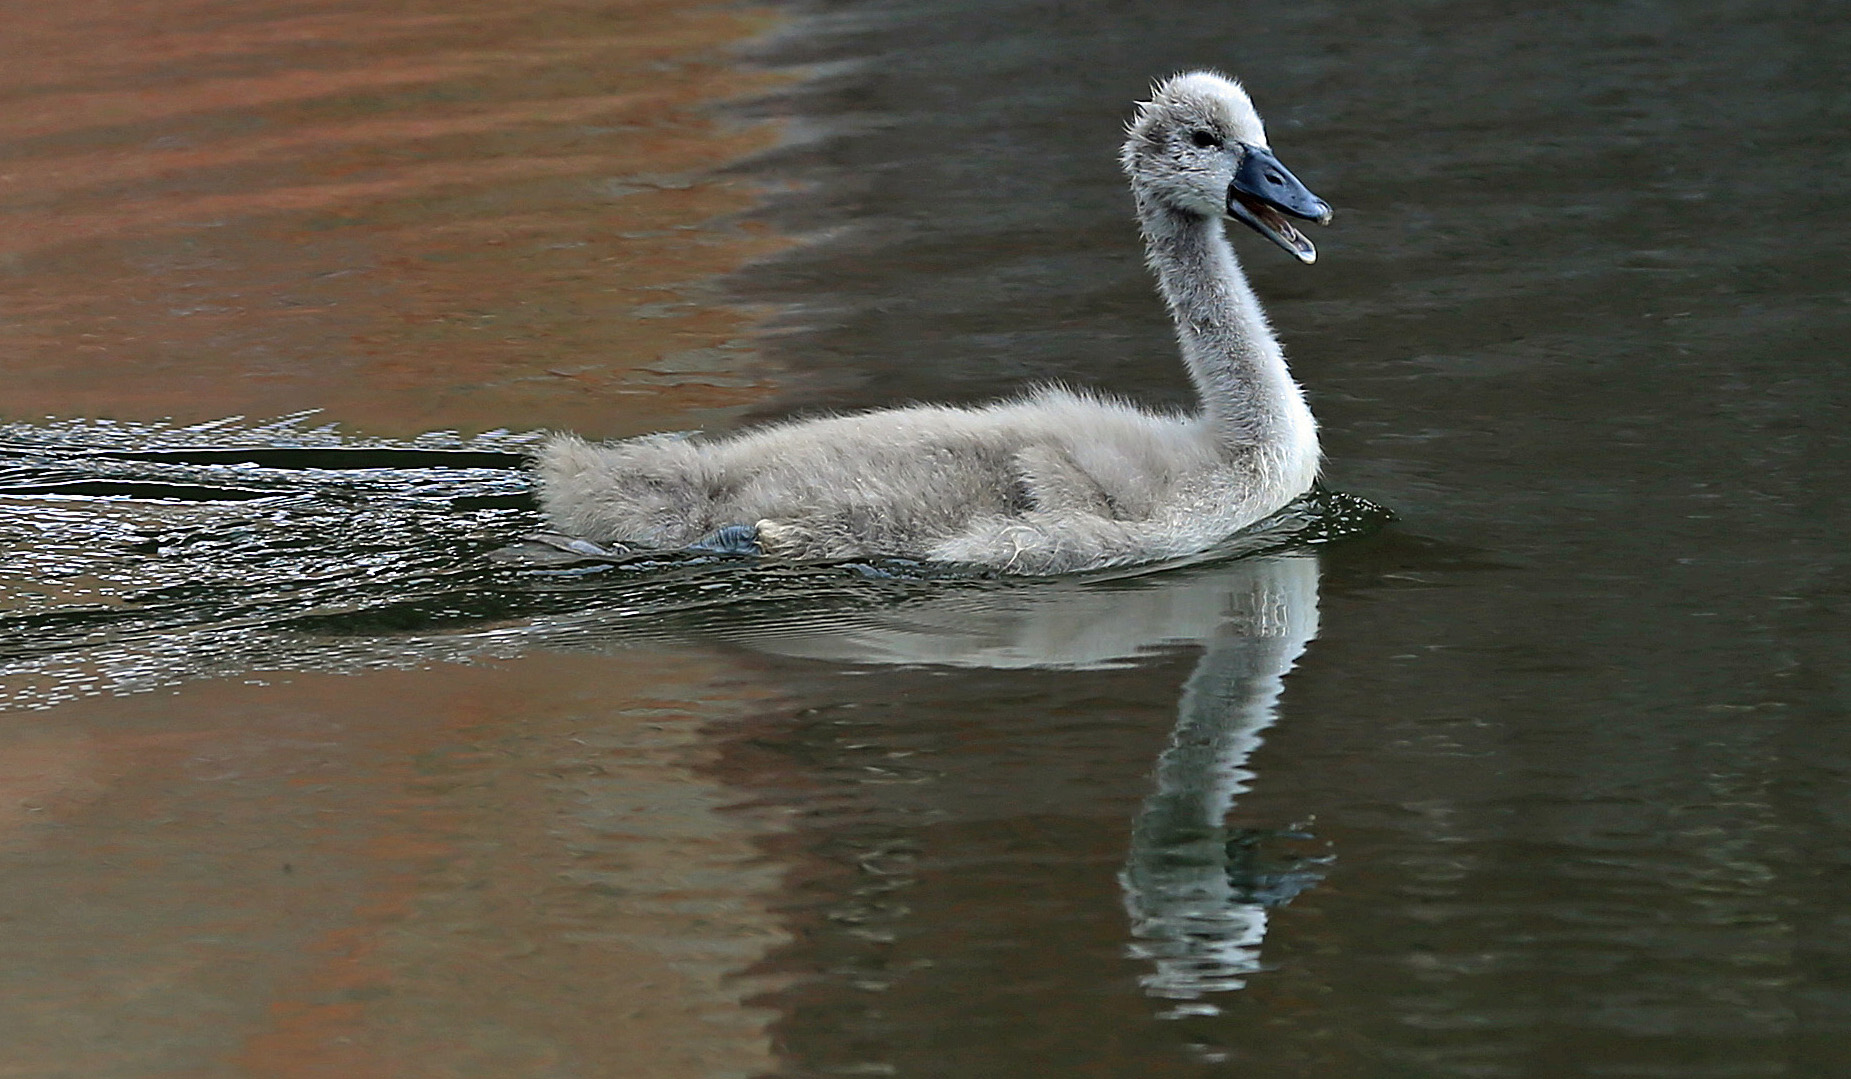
(1551, 777)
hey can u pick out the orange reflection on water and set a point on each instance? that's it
(453, 215)
(411, 216)
(503, 870)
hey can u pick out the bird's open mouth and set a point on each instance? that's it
(1272, 224)
(1264, 192)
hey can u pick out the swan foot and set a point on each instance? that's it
(574, 545)
(785, 539)
(549, 550)
(731, 539)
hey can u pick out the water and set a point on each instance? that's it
(1547, 779)
(154, 554)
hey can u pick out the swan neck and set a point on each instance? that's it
(1247, 393)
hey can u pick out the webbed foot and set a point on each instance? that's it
(574, 545)
(785, 539)
(544, 549)
(731, 539)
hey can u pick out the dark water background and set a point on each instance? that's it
(1582, 751)
(1556, 785)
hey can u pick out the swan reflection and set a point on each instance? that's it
(1197, 894)
(227, 586)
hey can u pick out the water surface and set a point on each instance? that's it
(1580, 753)
(1548, 779)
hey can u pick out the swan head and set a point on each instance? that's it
(1198, 147)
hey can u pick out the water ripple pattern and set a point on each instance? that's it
(139, 555)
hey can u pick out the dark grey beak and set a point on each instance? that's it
(1263, 190)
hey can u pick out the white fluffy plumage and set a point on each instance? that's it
(1055, 481)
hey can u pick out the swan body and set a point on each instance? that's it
(1051, 482)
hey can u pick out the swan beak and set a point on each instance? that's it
(1264, 191)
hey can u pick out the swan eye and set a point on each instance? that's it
(1204, 139)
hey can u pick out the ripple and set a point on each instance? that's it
(141, 555)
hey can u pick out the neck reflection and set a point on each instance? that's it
(1197, 893)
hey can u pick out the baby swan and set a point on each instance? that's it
(1053, 482)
